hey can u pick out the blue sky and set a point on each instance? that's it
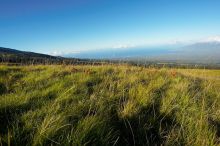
(48, 26)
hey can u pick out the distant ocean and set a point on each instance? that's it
(120, 53)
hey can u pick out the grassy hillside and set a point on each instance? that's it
(109, 105)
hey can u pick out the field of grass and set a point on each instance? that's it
(108, 105)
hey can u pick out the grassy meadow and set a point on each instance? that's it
(115, 105)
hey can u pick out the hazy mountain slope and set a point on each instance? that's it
(203, 52)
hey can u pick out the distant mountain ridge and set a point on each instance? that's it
(7, 52)
(201, 52)
(9, 55)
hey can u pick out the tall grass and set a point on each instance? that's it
(108, 105)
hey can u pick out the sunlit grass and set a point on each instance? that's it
(108, 105)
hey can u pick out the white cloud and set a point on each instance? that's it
(211, 39)
(61, 53)
(56, 53)
(123, 46)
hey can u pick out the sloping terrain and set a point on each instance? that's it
(16, 53)
(8, 55)
(108, 105)
(203, 52)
